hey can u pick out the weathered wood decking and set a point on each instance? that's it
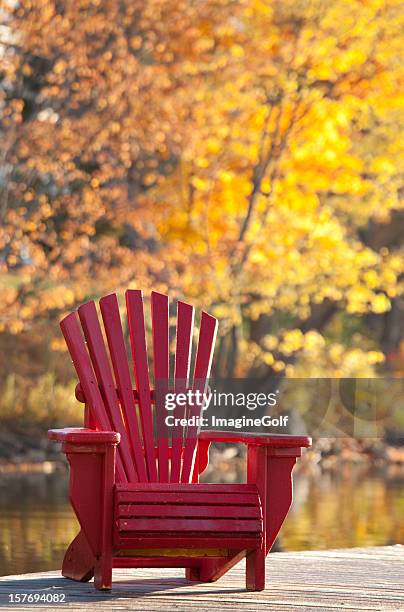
(348, 579)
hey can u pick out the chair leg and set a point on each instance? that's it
(255, 570)
(205, 572)
(103, 573)
(79, 561)
(210, 570)
(192, 573)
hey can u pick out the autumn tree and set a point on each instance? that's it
(290, 181)
(245, 155)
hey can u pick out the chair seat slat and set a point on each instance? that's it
(182, 487)
(193, 511)
(222, 525)
(241, 541)
(142, 497)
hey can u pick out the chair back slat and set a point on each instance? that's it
(203, 362)
(134, 305)
(113, 329)
(82, 363)
(149, 450)
(185, 323)
(95, 344)
(161, 361)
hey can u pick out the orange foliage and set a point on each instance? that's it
(231, 152)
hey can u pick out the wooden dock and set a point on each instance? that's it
(348, 579)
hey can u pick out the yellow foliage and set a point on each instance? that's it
(380, 303)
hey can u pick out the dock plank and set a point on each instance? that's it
(347, 579)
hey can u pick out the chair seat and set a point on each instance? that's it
(192, 515)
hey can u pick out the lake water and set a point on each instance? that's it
(357, 508)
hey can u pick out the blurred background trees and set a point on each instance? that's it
(243, 155)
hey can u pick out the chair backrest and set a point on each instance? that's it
(149, 451)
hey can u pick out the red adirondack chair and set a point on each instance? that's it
(136, 493)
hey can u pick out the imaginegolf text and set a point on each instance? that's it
(239, 423)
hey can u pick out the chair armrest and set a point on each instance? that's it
(253, 439)
(82, 435)
(92, 457)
